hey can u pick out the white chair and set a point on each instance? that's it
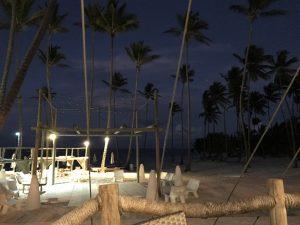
(192, 187)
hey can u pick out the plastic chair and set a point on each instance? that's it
(192, 187)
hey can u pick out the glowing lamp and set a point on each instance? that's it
(86, 143)
(52, 137)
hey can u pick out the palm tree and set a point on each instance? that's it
(257, 105)
(185, 76)
(140, 54)
(255, 69)
(175, 109)
(272, 94)
(113, 20)
(21, 72)
(252, 11)
(19, 17)
(210, 114)
(194, 31)
(118, 82)
(218, 94)
(282, 69)
(148, 93)
(93, 13)
(51, 58)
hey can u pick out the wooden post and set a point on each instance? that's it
(109, 195)
(278, 214)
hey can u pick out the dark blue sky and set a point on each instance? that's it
(228, 31)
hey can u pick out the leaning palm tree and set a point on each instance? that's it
(19, 15)
(195, 29)
(253, 10)
(113, 20)
(51, 58)
(175, 109)
(12, 93)
(140, 54)
(148, 94)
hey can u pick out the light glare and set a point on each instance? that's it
(86, 143)
(52, 137)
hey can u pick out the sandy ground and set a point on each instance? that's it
(217, 180)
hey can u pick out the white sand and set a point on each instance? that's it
(217, 180)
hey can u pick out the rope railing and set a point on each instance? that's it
(128, 204)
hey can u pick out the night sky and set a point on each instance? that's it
(227, 29)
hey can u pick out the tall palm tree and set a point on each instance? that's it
(51, 58)
(21, 72)
(114, 19)
(93, 13)
(186, 75)
(195, 29)
(253, 10)
(255, 69)
(281, 67)
(210, 115)
(140, 54)
(148, 94)
(118, 82)
(19, 15)
(257, 105)
(175, 109)
(272, 94)
(219, 98)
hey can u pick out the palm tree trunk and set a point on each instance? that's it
(9, 52)
(111, 72)
(115, 122)
(133, 116)
(249, 117)
(21, 73)
(225, 133)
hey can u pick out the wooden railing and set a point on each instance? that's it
(110, 204)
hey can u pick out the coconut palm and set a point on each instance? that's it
(118, 82)
(210, 114)
(175, 109)
(140, 54)
(148, 94)
(195, 29)
(114, 19)
(51, 58)
(272, 94)
(282, 69)
(19, 15)
(219, 97)
(257, 105)
(185, 76)
(255, 69)
(21, 72)
(253, 10)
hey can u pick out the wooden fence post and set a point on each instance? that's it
(109, 195)
(278, 214)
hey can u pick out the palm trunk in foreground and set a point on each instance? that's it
(21, 72)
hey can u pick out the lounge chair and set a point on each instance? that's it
(24, 180)
(192, 187)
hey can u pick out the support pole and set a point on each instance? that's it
(109, 195)
(278, 214)
(157, 145)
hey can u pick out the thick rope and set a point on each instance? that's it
(79, 215)
(175, 82)
(196, 210)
